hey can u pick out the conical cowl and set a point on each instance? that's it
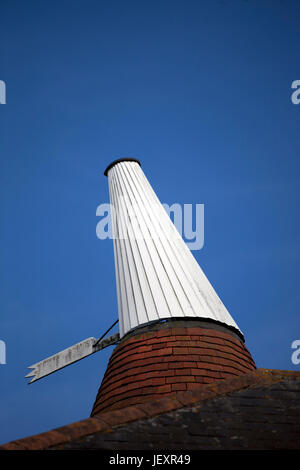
(157, 276)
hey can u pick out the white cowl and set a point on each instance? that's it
(156, 274)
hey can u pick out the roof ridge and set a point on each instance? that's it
(106, 420)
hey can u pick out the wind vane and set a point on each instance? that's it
(70, 355)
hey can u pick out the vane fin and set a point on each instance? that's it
(69, 356)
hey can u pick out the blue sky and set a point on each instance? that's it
(200, 92)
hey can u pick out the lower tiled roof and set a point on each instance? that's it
(257, 410)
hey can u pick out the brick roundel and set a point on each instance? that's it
(162, 361)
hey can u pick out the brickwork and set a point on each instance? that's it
(162, 362)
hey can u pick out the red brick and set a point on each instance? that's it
(118, 405)
(180, 350)
(177, 386)
(163, 332)
(159, 352)
(152, 360)
(160, 381)
(231, 369)
(182, 364)
(180, 379)
(139, 359)
(155, 340)
(184, 371)
(199, 379)
(174, 358)
(123, 372)
(160, 346)
(201, 351)
(209, 380)
(210, 373)
(179, 331)
(141, 390)
(124, 403)
(164, 388)
(177, 344)
(194, 331)
(182, 337)
(208, 365)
